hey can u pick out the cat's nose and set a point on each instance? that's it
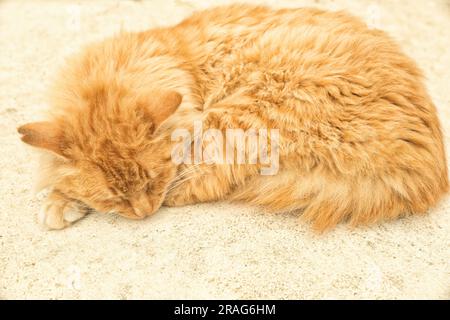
(141, 205)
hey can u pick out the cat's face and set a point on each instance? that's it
(126, 171)
(131, 187)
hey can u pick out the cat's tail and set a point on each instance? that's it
(368, 200)
(327, 201)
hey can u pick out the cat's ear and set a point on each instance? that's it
(164, 105)
(45, 135)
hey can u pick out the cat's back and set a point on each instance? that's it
(306, 41)
(225, 39)
(241, 17)
(298, 50)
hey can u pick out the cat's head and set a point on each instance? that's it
(109, 158)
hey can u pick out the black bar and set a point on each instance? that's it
(226, 309)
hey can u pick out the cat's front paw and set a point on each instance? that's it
(59, 213)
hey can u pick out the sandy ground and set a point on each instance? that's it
(204, 251)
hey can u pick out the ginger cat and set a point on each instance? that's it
(359, 138)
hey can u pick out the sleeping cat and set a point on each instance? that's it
(359, 138)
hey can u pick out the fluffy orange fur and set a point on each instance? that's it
(359, 137)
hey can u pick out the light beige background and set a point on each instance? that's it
(203, 251)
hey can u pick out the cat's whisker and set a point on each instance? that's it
(178, 183)
(182, 181)
(186, 172)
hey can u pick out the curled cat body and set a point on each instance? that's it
(359, 138)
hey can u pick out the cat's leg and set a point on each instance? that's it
(59, 212)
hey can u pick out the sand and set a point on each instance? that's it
(203, 251)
